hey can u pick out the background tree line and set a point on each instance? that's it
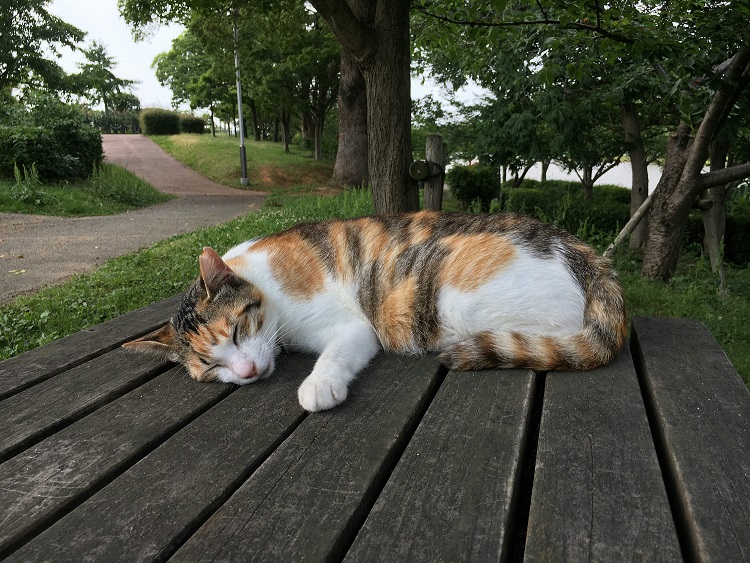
(580, 82)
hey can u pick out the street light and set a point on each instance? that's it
(243, 155)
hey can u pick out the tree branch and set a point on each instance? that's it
(717, 109)
(629, 226)
(724, 176)
(545, 21)
(349, 30)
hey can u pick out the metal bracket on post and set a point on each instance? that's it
(432, 172)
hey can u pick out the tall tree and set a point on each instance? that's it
(30, 36)
(351, 159)
(376, 33)
(97, 80)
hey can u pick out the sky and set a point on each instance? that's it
(101, 21)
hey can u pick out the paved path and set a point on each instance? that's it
(37, 251)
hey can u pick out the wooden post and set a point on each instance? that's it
(433, 185)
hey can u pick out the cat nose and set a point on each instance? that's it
(246, 370)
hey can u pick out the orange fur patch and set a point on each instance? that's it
(375, 239)
(474, 259)
(421, 227)
(396, 317)
(294, 264)
(338, 236)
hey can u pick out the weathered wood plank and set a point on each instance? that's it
(309, 498)
(450, 496)
(29, 368)
(598, 493)
(701, 416)
(33, 414)
(148, 511)
(41, 482)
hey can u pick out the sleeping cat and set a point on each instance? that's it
(500, 290)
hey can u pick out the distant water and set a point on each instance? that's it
(620, 175)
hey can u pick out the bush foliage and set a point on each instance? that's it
(736, 236)
(192, 124)
(53, 137)
(156, 121)
(473, 183)
(563, 203)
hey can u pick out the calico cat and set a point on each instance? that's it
(499, 290)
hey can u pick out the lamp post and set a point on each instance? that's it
(243, 155)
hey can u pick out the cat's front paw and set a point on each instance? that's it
(321, 393)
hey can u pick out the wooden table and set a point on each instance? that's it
(110, 456)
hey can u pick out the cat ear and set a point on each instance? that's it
(159, 343)
(214, 272)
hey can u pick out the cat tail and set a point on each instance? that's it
(603, 333)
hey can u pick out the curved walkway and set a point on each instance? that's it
(37, 251)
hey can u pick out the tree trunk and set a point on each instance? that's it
(256, 118)
(377, 34)
(545, 167)
(715, 217)
(520, 177)
(670, 210)
(351, 158)
(388, 82)
(587, 182)
(307, 127)
(639, 170)
(286, 129)
(319, 138)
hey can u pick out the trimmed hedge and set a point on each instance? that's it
(563, 203)
(192, 124)
(156, 121)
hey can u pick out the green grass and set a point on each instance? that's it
(693, 293)
(110, 190)
(269, 167)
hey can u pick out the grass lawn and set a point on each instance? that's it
(110, 190)
(268, 167)
(168, 267)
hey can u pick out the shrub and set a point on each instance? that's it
(155, 121)
(53, 137)
(192, 124)
(562, 203)
(473, 183)
(736, 233)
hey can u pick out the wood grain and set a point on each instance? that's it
(598, 493)
(27, 369)
(311, 495)
(701, 413)
(450, 496)
(147, 512)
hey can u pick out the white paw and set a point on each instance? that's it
(321, 393)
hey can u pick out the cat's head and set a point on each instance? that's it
(220, 331)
